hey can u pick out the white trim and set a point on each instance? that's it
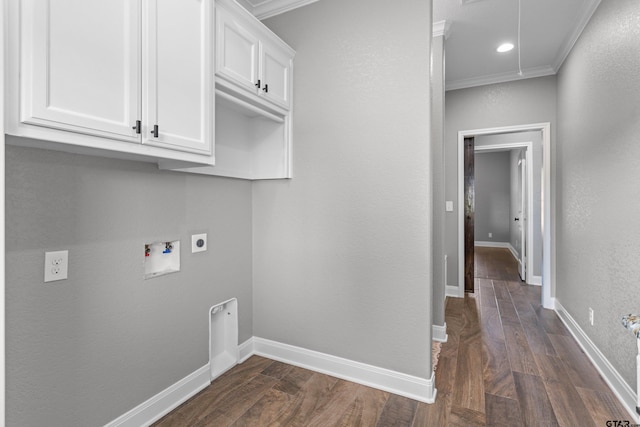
(245, 350)
(416, 388)
(454, 291)
(441, 29)
(528, 73)
(535, 280)
(483, 244)
(618, 385)
(439, 333)
(164, 402)
(563, 52)
(545, 128)
(170, 398)
(514, 252)
(3, 5)
(267, 8)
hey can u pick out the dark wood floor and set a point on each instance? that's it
(508, 362)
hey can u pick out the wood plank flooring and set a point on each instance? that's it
(508, 362)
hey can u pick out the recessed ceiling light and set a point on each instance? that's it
(505, 47)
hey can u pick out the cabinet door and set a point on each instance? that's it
(80, 66)
(178, 74)
(275, 71)
(236, 50)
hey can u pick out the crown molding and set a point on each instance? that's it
(263, 9)
(500, 78)
(441, 28)
(565, 49)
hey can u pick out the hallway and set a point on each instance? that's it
(510, 362)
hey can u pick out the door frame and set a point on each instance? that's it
(548, 261)
(528, 146)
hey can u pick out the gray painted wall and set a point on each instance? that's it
(437, 168)
(342, 253)
(598, 158)
(506, 104)
(86, 350)
(493, 197)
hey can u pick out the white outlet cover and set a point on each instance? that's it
(449, 206)
(56, 266)
(194, 243)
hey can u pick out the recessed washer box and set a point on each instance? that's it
(161, 258)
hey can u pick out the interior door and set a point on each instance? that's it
(522, 218)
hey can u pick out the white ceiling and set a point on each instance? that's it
(548, 29)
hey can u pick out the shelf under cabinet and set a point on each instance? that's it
(251, 142)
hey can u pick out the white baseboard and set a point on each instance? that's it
(453, 291)
(513, 252)
(164, 402)
(535, 280)
(409, 386)
(167, 400)
(245, 350)
(439, 333)
(620, 388)
(492, 244)
(549, 304)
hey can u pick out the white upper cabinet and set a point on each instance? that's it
(275, 70)
(178, 106)
(254, 83)
(236, 50)
(132, 76)
(81, 66)
(251, 59)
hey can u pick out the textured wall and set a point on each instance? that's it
(342, 252)
(493, 197)
(506, 104)
(86, 350)
(598, 172)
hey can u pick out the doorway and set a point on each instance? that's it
(502, 207)
(545, 189)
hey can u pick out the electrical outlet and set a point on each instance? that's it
(56, 266)
(591, 316)
(198, 242)
(490, 235)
